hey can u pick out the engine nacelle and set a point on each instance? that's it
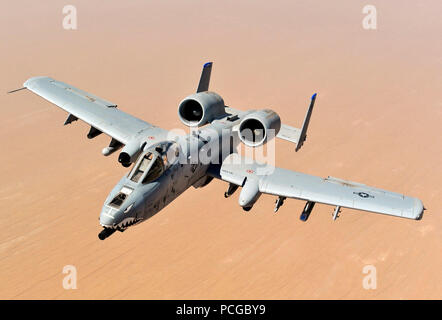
(254, 128)
(130, 153)
(201, 108)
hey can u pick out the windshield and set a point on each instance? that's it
(149, 168)
(118, 200)
(155, 170)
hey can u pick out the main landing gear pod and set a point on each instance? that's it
(249, 194)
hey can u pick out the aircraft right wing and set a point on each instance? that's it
(332, 191)
(102, 115)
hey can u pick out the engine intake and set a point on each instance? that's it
(254, 129)
(201, 108)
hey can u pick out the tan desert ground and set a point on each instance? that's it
(377, 120)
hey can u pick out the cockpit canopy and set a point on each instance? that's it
(152, 164)
(148, 168)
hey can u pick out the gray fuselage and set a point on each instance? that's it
(185, 163)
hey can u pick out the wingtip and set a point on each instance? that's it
(314, 96)
(418, 209)
(207, 64)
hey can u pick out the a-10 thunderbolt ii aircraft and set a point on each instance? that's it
(166, 165)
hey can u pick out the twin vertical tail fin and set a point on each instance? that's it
(205, 77)
(304, 128)
(296, 135)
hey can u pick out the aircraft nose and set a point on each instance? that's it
(106, 220)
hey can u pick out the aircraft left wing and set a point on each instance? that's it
(102, 115)
(332, 191)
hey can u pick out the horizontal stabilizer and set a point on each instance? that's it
(289, 133)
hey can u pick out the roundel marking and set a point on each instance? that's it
(363, 194)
